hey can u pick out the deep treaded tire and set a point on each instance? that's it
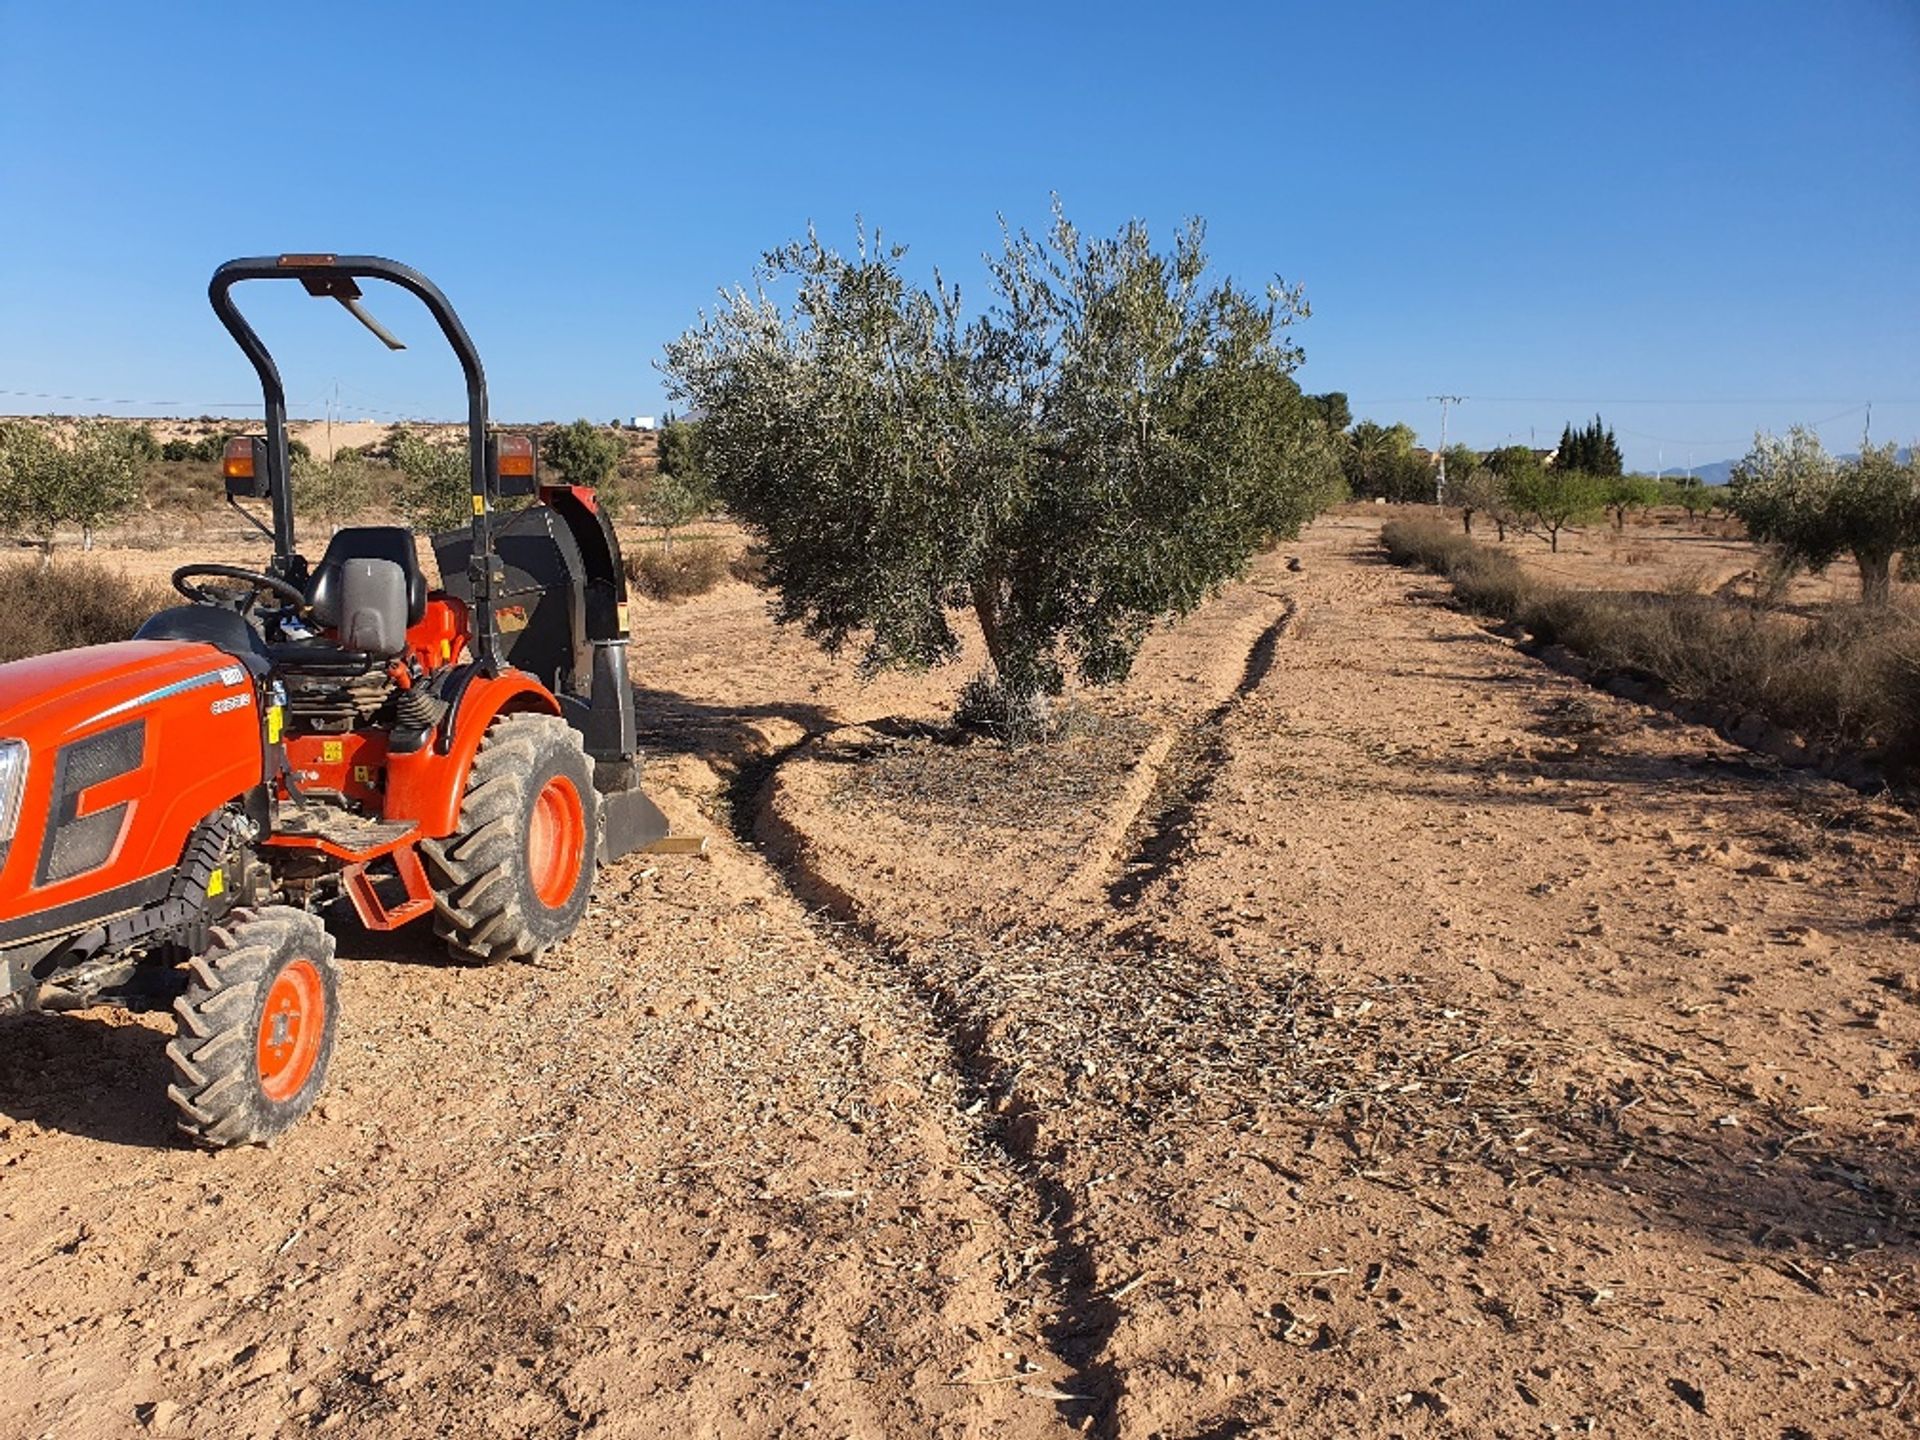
(256, 1027)
(513, 879)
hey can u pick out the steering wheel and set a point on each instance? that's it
(272, 584)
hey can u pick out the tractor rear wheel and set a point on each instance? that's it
(256, 1027)
(513, 879)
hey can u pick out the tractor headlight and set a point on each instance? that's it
(13, 783)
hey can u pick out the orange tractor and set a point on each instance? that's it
(177, 810)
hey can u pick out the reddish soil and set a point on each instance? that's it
(1352, 1026)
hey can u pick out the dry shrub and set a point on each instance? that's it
(660, 572)
(1424, 542)
(1692, 580)
(1492, 582)
(1845, 678)
(749, 567)
(1848, 679)
(70, 605)
(1489, 581)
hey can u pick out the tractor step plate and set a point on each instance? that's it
(340, 833)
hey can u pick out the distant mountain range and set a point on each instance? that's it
(1720, 471)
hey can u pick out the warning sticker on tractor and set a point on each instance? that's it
(332, 752)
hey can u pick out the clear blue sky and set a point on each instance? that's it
(1548, 208)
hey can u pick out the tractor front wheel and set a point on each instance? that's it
(255, 1027)
(513, 879)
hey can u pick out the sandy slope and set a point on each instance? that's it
(1357, 1028)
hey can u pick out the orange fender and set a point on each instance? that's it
(425, 787)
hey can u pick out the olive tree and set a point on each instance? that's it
(45, 483)
(583, 453)
(1481, 491)
(334, 491)
(1689, 494)
(1101, 449)
(1812, 508)
(1879, 515)
(679, 490)
(1557, 499)
(436, 487)
(1630, 492)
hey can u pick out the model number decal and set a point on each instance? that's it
(231, 702)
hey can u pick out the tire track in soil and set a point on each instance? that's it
(1160, 834)
(1083, 1320)
(1154, 840)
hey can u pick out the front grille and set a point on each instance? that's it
(76, 844)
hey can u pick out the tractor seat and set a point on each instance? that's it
(366, 542)
(327, 597)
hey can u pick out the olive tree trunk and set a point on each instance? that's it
(1020, 713)
(1876, 576)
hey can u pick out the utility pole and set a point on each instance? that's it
(1440, 495)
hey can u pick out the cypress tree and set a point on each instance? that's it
(1611, 461)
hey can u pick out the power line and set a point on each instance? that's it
(104, 400)
(209, 406)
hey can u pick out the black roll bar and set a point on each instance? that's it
(333, 276)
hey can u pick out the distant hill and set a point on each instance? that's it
(1716, 473)
(1720, 471)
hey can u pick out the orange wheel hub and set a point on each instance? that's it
(556, 841)
(291, 1027)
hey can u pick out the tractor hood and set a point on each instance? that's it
(50, 697)
(128, 748)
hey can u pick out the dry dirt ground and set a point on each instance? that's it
(1351, 1027)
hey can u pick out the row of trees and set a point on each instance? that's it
(82, 475)
(1590, 450)
(1513, 489)
(1807, 506)
(81, 479)
(1383, 461)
